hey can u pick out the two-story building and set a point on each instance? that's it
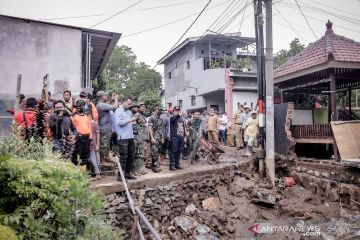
(216, 71)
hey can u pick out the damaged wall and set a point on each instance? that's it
(283, 118)
(35, 49)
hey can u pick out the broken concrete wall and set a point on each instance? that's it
(283, 117)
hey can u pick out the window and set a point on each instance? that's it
(169, 75)
(188, 64)
(180, 103)
(202, 51)
(193, 100)
(215, 107)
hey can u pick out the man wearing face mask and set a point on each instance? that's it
(156, 137)
(61, 127)
(82, 124)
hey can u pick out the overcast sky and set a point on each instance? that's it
(150, 46)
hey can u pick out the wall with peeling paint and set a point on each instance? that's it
(35, 49)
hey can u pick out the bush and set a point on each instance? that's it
(48, 197)
(7, 233)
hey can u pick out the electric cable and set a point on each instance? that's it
(114, 15)
(187, 29)
(312, 30)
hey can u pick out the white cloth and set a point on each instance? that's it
(223, 122)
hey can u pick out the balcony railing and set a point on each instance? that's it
(312, 131)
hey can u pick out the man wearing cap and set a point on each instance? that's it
(105, 122)
(82, 124)
(244, 118)
(238, 127)
(156, 138)
(88, 104)
(177, 135)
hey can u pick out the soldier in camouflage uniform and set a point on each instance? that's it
(194, 135)
(141, 137)
(156, 137)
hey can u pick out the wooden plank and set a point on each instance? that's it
(347, 137)
(18, 90)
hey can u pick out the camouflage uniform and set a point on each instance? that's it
(141, 137)
(194, 137)
(155, 123)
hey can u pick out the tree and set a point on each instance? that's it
(125, 76)
(283, 55)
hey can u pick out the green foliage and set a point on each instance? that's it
(283, 55)
(125, 76)
(12, 146)
(45, 197)
(151, 99)
(7, 233)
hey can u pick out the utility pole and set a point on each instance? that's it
(259, 21)
(270, 136)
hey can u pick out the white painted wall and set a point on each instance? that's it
(35, 49)
(216, 99)
(244, 97)
(302, 117)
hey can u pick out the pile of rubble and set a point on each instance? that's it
(225, 206)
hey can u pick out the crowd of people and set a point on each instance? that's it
(89, 134)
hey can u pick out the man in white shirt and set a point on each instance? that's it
(222, 128)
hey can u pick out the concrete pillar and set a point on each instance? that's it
(333, 97)
(228, 94)
(333, 116)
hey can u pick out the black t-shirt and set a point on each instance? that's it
(177, 126)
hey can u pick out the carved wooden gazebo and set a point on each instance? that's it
(328, 66)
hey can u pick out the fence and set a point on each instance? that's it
(312, 131)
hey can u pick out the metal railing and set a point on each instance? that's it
(312, 131)
(136, 210)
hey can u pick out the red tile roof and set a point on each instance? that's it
(330, 47)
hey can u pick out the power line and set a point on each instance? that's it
(103, 14)
(187, 29)
(306, 19)
(227, 12)
(222, 13)
(175, 21)
(83, 16)
(242, 19)
(318, 10)
(212, 24)
(231, 20)
(132, 5)
(292, 28)
(340, 10)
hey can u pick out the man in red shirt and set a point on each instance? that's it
(27, 117)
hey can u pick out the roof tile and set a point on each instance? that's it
(330, 47)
